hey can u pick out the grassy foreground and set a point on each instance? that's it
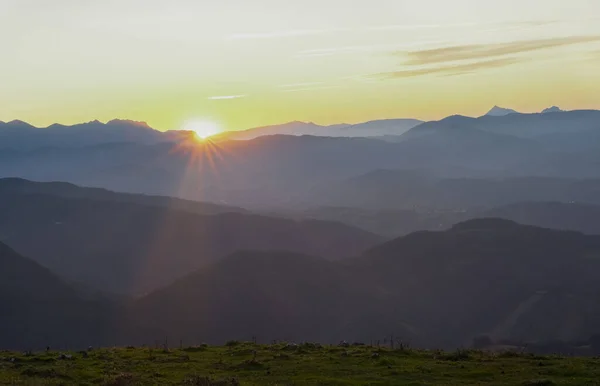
(282, 364)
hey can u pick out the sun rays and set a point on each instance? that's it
(202, 129)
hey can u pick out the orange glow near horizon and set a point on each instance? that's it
(202, 129)
(312, 60)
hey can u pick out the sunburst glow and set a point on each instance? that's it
(202, 129)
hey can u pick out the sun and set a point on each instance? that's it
(202, 129)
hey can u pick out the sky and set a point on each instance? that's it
(248, 63)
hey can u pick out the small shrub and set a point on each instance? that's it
(196, 348)
(311, 346)
(458, 355)
(232, 343)
(509, 354)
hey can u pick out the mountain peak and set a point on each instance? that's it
(498, 111)
(553, 109)
(19, 123)
(128, 122)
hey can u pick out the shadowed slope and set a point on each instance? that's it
(131, 248)
(39, 309)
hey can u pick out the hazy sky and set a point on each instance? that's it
(246, 63)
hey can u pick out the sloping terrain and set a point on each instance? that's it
(130, 248)
(38, 309)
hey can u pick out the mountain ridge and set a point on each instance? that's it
(498, 111)
(129, 246)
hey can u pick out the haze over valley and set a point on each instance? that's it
(313, 178)
(220, 222)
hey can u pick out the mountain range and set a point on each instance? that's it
(390, 223)
(414, 189)
(438, 232)
(431, 289)
(376, 128)
(132, 244)
(21, 135)
(283, 170)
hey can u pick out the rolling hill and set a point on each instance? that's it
(494, 277)
(272, 295)
(39, 309)
(19, 186)
(439, 289)
(434, 289)
(127, 247)
(580, 217)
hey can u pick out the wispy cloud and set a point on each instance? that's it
(338, 50)
(484, 51)
(282, 34)
(303, 84)
(225, 97)
(384, 48)
(459, 69)
(311, 88)
(410, 27)
(380, 28)
(499, 25)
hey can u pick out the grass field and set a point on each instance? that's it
(282, 364)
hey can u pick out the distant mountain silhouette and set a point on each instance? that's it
(290, 128)
(21, 135)
(128, 247)
(573, 216)
(497, 111)
(378, 128)
(17, 124)
(522, 125)
(366, 129)
(283, 171)
(406, 189)
(278, 171)
(553, 109)
(579, 217)
(18, 186)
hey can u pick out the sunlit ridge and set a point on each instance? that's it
(202, 129)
